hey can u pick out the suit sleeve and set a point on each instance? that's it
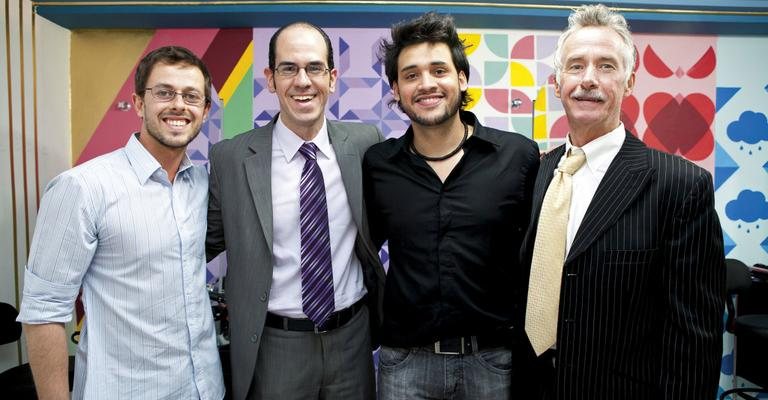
(214, 239)
(375, 222)
(379, 136)
(693, 279)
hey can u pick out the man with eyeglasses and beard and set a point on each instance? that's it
(128, 228)
(452, 197)
(303, 283)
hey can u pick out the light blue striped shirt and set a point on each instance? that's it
(134, 242)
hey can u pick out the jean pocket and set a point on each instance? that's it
(393, 357)
(496, 360)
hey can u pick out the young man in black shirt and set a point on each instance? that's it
(452, 198)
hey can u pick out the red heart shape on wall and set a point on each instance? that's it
(680, 125)
(630, 110)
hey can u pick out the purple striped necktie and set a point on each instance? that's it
(316, 272)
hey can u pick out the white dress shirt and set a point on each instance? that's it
(287, 164)
(134, 242)
(600, 153)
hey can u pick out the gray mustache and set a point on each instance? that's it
(594, 96)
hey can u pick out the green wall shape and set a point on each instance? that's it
(238, 113)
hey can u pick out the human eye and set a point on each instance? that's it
(287, 69)
(163, 93)
(192, 97)
(441, 71)
(315, 69)
(409, 76)
(607, 67)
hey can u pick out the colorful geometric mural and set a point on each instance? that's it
(702, 97)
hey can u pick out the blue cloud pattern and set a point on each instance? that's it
(751, 128)
(749, 206)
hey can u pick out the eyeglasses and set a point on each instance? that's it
(165, 94)
(291, 70)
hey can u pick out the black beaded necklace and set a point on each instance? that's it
(447, 156)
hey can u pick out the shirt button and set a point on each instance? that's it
(254, 338)
(263, 296)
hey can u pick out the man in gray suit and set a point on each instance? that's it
(303, 283)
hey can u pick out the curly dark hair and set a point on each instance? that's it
(431, 28)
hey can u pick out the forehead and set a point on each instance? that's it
(176, 75)
(300, 40)
(600, 41)
(423, 54)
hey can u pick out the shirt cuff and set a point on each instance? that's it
(46, 302)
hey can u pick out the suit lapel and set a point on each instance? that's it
(546, 173)
(258, 170)
(624, 180)
(543, 178)
(351, 169)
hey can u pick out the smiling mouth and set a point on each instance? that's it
(589, 100)
(428, 100)
(303, 98)
(176, 123)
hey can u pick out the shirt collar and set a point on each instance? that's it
(601, 151)
(479, 133)
(290, 142)
(144, 164)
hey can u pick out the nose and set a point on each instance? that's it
(177, 101)
(302, 79)
(427, 81)
(589, 77)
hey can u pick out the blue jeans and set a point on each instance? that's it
(418, 373)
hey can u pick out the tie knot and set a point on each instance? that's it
(573, 162)
(308, 150)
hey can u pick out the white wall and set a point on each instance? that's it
(34, 101)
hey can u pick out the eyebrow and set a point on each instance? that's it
(293, 63)
(581, 57)
(168, 86)
(432, 64)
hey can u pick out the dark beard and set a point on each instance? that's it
(452, 109)
(160, 139)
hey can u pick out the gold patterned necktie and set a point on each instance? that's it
(549, 256)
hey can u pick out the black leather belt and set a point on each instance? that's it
(335, 320)
(466, 344)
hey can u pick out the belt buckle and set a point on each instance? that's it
(438, 350)
(324, 327)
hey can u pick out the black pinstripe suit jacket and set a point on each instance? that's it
(643, 290)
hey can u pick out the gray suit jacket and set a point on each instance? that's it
(240, 222)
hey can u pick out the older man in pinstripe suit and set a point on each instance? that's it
(642, 285)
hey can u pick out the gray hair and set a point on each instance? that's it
(597, 15)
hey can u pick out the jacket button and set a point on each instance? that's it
(263, 297)
(254, 338)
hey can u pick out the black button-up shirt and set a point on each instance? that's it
(453, 245)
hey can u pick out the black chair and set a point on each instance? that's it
(17, 383)
(751, 332)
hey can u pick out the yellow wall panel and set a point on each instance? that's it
(100, 62)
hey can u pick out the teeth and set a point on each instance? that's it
(302, 98)
(176, 122)
(428, 99)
